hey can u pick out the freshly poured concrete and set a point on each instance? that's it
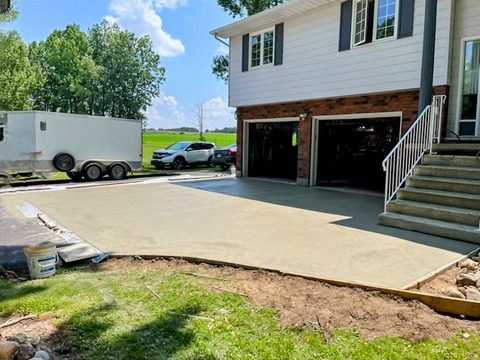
(277, 226)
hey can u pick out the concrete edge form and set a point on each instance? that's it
(440, 304)
(430, 276)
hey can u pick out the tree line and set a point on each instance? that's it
(105, 71)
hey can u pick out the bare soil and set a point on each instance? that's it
(302, 302)
(299, 302)
(440, 282)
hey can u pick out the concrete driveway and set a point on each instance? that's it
(311, 231)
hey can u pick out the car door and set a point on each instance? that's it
(193, 153)
(206, 152)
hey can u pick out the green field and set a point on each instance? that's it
(160, 139)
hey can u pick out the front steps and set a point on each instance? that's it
(441, 198)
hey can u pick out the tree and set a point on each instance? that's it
(199, 115)
(130, 75)
(18, 78)
(238, 8)
(69, 70)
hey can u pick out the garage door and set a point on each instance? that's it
(350, 152)
(272, 149)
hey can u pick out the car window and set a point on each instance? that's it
(194, 147)
(177, 146)
(207, 146)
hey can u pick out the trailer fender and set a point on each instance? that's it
(63, 162)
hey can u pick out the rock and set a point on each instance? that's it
(35, 341)
(469, 279)
(25, 352)
(8, 349)
(453, 292)
(472, 293)
(19, 338)
(42, 355)
(469, 264)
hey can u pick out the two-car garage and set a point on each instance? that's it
(346, 150)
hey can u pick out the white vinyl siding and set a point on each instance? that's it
(466, 26)
(313, 68)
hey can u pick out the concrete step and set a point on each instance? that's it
(444, 184)
(432, 227)
(437, 212)
(448, 172)
(452, 160)
(455, 199)
(464, 148)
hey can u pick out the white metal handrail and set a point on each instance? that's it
(418, 140)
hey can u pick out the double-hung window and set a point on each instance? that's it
(262, 48)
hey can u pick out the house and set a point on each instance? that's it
(324, 89)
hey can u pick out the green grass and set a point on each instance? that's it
(158, 140)
(113, 315)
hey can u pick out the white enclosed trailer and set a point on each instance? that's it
(81, 145)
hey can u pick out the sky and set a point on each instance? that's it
(180, 33)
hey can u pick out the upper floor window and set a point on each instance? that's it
(262, 48)
(373, 20)
(386, 15)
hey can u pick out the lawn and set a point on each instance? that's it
(153, 140)
(152, 313)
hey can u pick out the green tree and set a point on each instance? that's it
(130, 75)
(69, 70)
(238, 8)
(18, 78)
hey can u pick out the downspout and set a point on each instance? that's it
(222, 41)
(428, 56)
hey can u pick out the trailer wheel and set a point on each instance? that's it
(93, 172)
(63, 162)
(75, 176)
(117, 172)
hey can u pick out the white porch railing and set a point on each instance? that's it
(418, 140)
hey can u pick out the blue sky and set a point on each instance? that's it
(180, 32)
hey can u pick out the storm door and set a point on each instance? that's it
(469, 119)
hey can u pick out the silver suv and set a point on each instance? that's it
(183, 153)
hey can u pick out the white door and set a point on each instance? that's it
(469, 114)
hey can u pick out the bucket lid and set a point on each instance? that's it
(39, 247)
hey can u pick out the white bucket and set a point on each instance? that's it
(41, 260)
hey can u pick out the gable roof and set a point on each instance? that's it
(268, 17)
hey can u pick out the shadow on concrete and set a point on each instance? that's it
(12, 257)
(361, 210)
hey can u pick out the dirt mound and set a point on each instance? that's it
(307, 302)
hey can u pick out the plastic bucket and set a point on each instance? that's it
(41, 260)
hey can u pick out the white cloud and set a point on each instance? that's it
(141, 17)
(166, 113)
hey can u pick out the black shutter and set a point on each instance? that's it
(405, 21)
(279, 30)
(345, 25)
(370, 20)
(245, 51)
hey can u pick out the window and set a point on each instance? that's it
(262, 48)
(3, 125)
(373, 20)
(360, 22)
(386, 14)
(470, 101)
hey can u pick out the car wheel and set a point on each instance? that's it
(74, 175)
(178, 163)
(117, 172)
(93, 172)
(63, 162)
(225, 167)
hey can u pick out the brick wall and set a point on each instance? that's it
(404, 101)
